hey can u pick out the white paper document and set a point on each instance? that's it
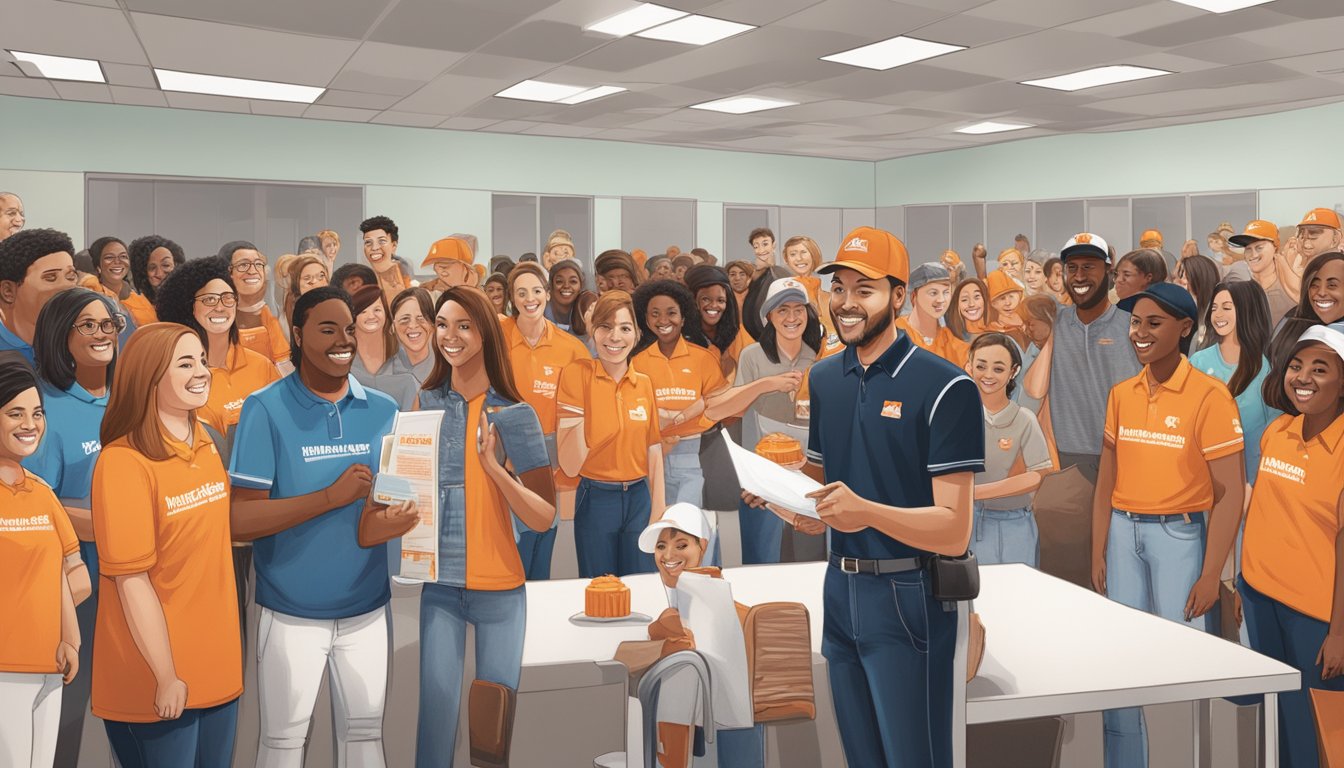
(782, 487)
(706, 608)
(412, 452)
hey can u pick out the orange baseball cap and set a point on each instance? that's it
(1151, 238)
(872, 253)
(449, 249)
(1256, 230)
(1321, 217)
(999, 283)
(951, 259)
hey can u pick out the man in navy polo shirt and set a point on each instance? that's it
(301, 467)
(35, 264)
(896, 435)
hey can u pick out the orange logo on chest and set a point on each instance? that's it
(891, 409)
(1005, 443)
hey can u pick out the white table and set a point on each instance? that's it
(1052, 647)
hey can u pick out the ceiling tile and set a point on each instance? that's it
(455, 26)
(512, 126)
(466, 123)
(450, 94)
(1207, 26)
(335, 98)
(1046, 13)
(1301, 37)
(82, 91)
(333, 18)
(412, 119)
(67, 29)
(140, 97)
(394, 69)
(278, 108)
(1045, 53)
(340, 113)
(207, 102)
(8, 68)
(219, 49)
(864, 21)
(549, 41)
(628, 54)
(972, 31)
(1143, 16)
(27, 86)
(129, 74)
(758, 12)
(557, 129)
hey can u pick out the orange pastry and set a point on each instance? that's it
(606, 598)
(780, 448)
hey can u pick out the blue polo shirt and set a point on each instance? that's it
(887, 431)
(291, 442)
(11, 342)
(65, 458)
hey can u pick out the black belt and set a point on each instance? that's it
(854, 565)
(1139, 517)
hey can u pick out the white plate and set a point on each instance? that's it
(633, 619)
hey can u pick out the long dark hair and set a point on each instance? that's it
(953, 316)
(51, 336)
(498, 367)
(1300, 318)
(756, 292)
(1272, 389)
(704, 276)
(1202, 275)
(812, 333)
(691, 329)
(15, 379)
(1252, 329)
(139, 250)
(576, 324)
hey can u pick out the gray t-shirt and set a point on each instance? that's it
(1280, 303)
(776, 407)
(1010, 433)
(1088, 361)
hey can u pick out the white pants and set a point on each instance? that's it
(30, 716)
(292, 654)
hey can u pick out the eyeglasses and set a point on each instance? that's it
(115, 325)
(249, 266)
(216, 299)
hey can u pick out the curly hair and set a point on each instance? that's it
(379, 222)
(20, 250)
(691, 329)
(345, 272)
(140, 249)
(704, 276)
(177, 301)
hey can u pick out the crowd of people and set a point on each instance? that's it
(185, 434)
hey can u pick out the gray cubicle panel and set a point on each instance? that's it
(652, 224)
(738, 223)
(522, 223)
(824, 225)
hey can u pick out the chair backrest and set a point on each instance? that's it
(779, 661)
(1329, 706)
(651, 684)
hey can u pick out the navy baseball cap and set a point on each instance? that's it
(1173, 299)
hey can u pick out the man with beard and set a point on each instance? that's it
(1088, 354)
(896, 434)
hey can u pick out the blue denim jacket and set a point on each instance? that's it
(519, 432)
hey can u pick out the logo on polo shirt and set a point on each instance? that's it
(1236, 426)
(234, 404)
(676, 393)
(1149, 437)
(891, 409)
(197, 497)
(26, 524)
(91, 446)
(857, 244)
(1283, 469)
(313, 453)
(1105, 342)
(1006, 443)
(1171, 422)
(547, 370)
(639, 414)
(544, 388)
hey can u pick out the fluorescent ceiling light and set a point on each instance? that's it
(1222, 6)
(993, 126)
(592, 93)
(892, 53)
(536, 90)
(695, 30)
(63, 67)
(637, 19)
(189, 82)
(741, 105)
(1091, 78)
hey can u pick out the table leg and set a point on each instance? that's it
(1201, 727)
(1270, 708)
(959, 687)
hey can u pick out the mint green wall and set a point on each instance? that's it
(50, 199)
(1288, 150)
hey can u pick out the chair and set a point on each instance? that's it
(650, 685)
(1329, 707)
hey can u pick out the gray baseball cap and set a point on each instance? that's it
(930, 272)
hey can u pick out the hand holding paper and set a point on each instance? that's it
(782, 487)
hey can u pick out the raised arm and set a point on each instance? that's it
(734, 401)
(253, 514)
(1037, 381)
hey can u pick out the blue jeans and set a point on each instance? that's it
(500, 619)
(683, 479)
(889, 646)
(1006, 536)
(741, 747)
(75, 697)
(761, 533)
(608, 518)
(200, 737)
(535, 551)
(1293, 638)
(1151, 566)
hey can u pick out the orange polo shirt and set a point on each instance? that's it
(492, 556)
(678, 381)
(142, 311)
(268, 339)
(945, 344)
(1288, 549)
(734, 351)
(169, 519)
(35, 538)
(244, 372)
(620, 419)
(1164, 442)
(536, 370)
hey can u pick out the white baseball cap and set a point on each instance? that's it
(783, 290)
(1331, 336)
(681, 517)
(1086, 244)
